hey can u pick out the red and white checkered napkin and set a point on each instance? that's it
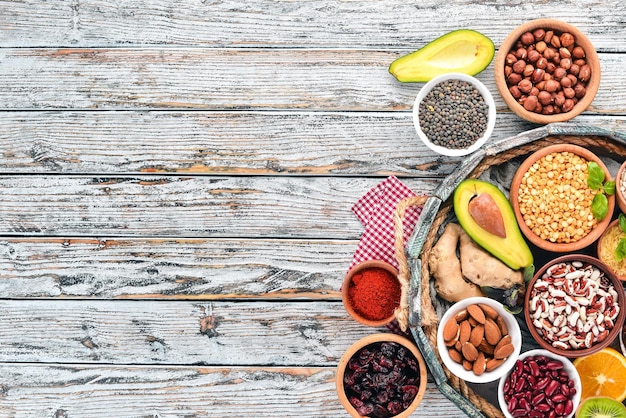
(375, 210)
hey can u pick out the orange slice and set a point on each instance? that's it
(603, 374)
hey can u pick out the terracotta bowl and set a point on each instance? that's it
(567, 366)
(547, 245)
(347, 283)
(534, 296)
(372, 339)
(601, 250)
(558, 27)
(619, 179)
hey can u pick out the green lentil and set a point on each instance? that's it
(453, 114)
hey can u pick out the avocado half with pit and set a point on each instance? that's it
(461, 51)
(487, 217)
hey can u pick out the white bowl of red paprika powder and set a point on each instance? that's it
(371, 292)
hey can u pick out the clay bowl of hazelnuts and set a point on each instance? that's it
(547, 71)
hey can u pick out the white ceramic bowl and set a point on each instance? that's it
(491, 120)
(456, 368)
(569, 368)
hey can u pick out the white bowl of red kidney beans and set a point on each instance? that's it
(541, 384)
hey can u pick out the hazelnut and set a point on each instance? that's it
(578, 52)
(507, 70)
(574, 69)
(550, 67)
(540, 46)
(552, 85)
(567, 39)
(534, 91)
(548, 110)
(530, 103)
(528, 70)
(539, 34)
(514, 90)
(533, 55)
(573, 78)
(555, 42)
(584, 73)
(544, 98)
(521, 53)
(548, 36)
(568, 105)
(580, 62)
(527, 38)
(541, 63)
(564, 53)
(565, 63)
(579, 91)
(566, 82)
(569, 93)
(514, 79)
(525, 86)
(559, 99)
(537, 75)
(549, 53)
(519, 66)
(559, 73)
(510, 59)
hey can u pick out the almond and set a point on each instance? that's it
(485, 347)
(503, 351)
(455, 355)
(504, 330)
(469, 352)
(488, 311)
(477, 334)
(451, 330)
(465, 329)
(493, 364)
(480, 365)
(461, 315)
(467, 365)
(477, 313)
(492, 332)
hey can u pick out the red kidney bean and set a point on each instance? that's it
(539, 387)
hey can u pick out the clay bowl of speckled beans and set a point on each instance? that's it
(552, 200)
(620, 187)
(438, 107)
(547, 71)
(382, 357)
(574, 306)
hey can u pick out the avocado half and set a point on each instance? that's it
(461, 51)
(511, 248)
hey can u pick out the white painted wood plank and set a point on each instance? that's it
(249, 143)
(37, 391)
(157, 78)
(195, 206)
(177, 332)
(284, 23)
(173, 269)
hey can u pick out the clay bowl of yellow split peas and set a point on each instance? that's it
(560, 199)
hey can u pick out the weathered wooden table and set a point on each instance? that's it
(176, 187)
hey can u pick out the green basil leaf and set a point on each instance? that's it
(609, 187)
(600, 206)
(620, 250)
(622, 222)
(595, 178)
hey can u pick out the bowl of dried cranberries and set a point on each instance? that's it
(381, 375)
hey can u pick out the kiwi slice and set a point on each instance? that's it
(601, 407)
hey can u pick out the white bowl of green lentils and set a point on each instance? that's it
(454, 114)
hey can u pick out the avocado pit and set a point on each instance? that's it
(486, 213)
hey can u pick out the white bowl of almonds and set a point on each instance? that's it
(555, 206)
(478, 340)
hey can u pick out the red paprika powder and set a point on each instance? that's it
(374, 293)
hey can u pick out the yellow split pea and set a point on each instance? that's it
(555, 200)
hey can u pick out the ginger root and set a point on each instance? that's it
(446, 267)
(481, 268)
